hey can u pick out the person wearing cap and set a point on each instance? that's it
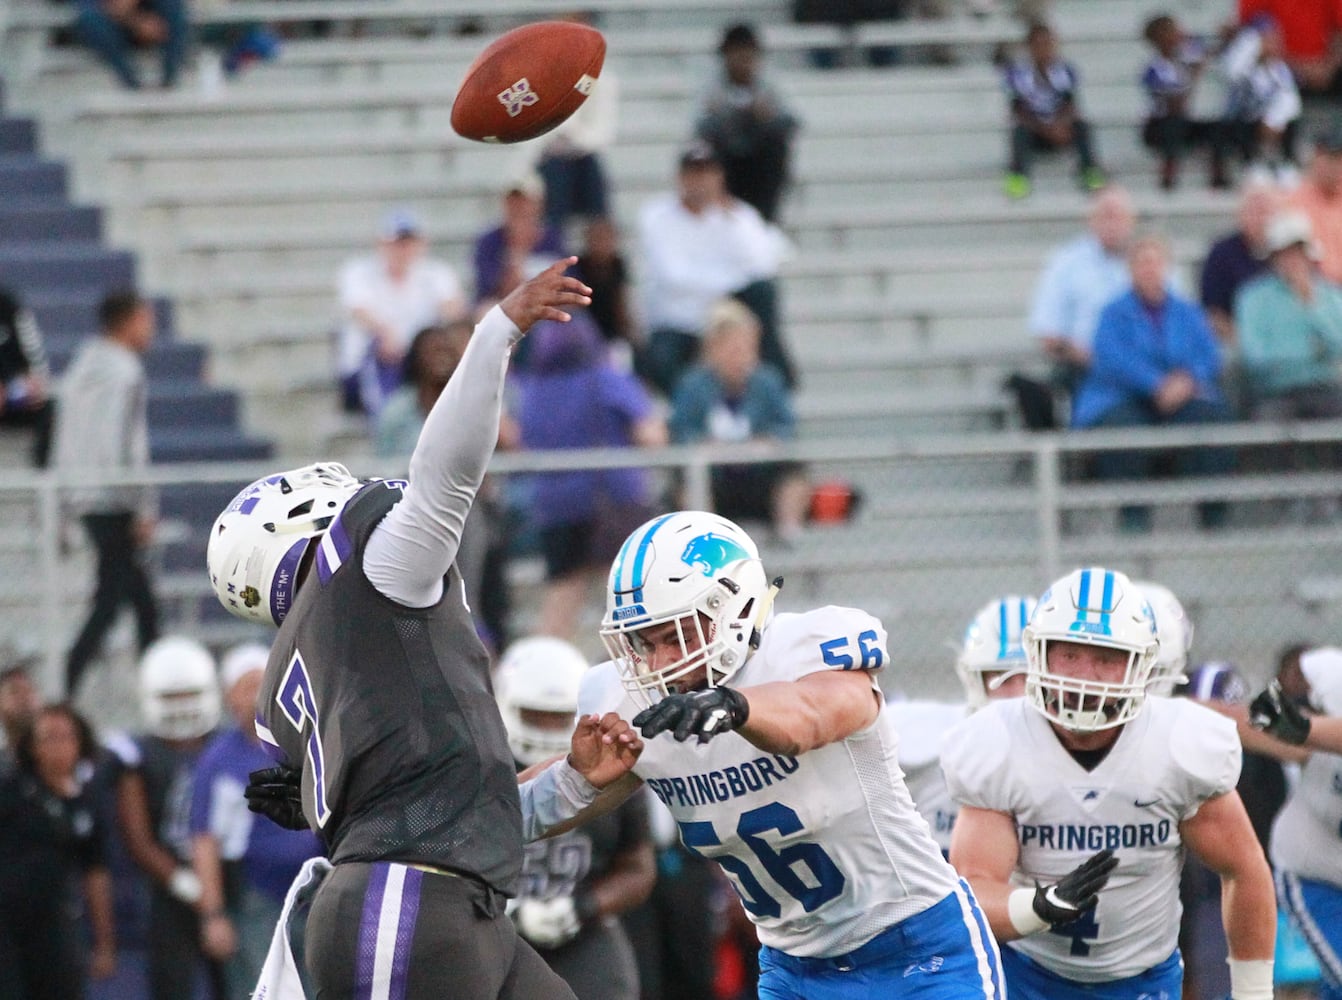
(1312, 32)
(1319, 196)
(520, 247)
(245, 863)
(386, 298)
(697, 245)
(1290, 328)
(744, 119)
(1156, 363)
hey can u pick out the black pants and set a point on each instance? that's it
(441, 938)
(174, 953)
(40, 418)
(1025, 143)
(121, 578)
(41, 948)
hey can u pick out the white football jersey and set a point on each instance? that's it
(825, 849)
(1167, 761)
(922, 728)
(1305, 834)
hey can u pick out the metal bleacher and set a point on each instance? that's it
(903, 302)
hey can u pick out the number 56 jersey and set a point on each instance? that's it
(825, 849)
(1167, 761)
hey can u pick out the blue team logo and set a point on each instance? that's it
(709, 553)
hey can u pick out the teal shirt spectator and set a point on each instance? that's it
(1285, 343)
(398, 424)
(765, 407)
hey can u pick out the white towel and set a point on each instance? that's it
(280, 978)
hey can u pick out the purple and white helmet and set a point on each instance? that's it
(258, 543)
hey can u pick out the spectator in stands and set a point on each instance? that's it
(53, 867)
(1263, 103)
(385, 299)
(1237, 258)
(101, 429)
(1156, 363)
(732, 396)
(179, 704)
(1169, 81)
(1081, 277)
(570, 396)
(1319, 195)
(115, 29)
(19, 702)
(25, 379)
(482, 556)
(570, 157)
(245, 863)
(1045, 114)
(520, 247)
(744, 119)
(601, 266)
(1290, 327)
(1312, 35)
(696, 245)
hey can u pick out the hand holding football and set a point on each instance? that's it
(528, 81)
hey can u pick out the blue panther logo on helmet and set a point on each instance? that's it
(711, 552)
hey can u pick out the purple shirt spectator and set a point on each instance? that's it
(571, 397)
(1230, 264)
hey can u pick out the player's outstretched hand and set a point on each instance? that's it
(1076, 892)
(548, 923)
(704, 714)
(1273, 713)
(544, 296)
(603, 748)
(277, 793)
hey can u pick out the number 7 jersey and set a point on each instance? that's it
(826, 848)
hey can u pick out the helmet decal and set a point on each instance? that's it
(634, 554)
(712, 552)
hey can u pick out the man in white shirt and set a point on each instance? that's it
(697, 245)
(385, 299)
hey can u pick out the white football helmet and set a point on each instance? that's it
(540, 674)
(258, 542)
(992, 644)
(1175, 632)
(699, 570)
(1097, 607)
(179, 694)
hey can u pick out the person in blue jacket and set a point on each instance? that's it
(1156, 362)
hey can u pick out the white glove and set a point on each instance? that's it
(185, 886)
(548, 923)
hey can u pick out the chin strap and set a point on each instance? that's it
(766, 606)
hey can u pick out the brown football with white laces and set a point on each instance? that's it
(528, 81)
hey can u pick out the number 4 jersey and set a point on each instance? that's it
(825, 849)
(1166, 762)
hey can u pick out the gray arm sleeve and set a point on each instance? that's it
(410, 552)
(555, 795)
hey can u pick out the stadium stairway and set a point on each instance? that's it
(53, 256)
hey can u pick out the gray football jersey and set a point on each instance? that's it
(390, 713)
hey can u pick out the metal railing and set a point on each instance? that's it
(946, 523)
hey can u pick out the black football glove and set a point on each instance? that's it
(277, 793)
(1274, 713)
(1076, 892)
(704, 714)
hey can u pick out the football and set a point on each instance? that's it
(528, 81)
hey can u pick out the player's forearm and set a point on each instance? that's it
(993, 897)
(98, 898)
(205, 861)
(792, 718)
(1325, 733)
(1249, 912)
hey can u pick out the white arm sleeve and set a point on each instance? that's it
(555, 795)
(410, 552)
